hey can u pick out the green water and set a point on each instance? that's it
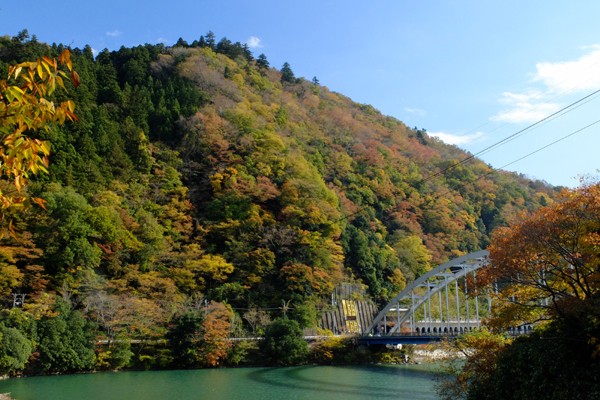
(295, 383)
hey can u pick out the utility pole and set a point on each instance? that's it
(285, 306)
(18, 299)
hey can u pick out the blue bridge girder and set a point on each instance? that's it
(404, 306)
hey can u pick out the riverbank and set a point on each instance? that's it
(325, 352)
(429, 353)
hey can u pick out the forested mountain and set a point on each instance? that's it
(199, 172)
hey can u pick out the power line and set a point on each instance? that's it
(509, 138)
(550, 144)
(547, 92)
(557, 114)
(528, 155)
(553, 117)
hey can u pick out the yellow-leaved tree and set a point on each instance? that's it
(26, 108)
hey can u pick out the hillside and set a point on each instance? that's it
(199, 172)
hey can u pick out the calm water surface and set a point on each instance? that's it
(414, 382)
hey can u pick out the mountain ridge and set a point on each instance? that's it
(199, 171)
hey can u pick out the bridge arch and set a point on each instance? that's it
(403, 308)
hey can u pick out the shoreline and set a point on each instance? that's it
(417, 355)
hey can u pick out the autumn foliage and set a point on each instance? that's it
(546, 265)
(26, 106)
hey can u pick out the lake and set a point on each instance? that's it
(412, 382)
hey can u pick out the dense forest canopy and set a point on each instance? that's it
(199, 174)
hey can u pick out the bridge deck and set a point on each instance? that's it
(402, 339)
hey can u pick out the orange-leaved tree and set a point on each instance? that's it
(26, 107)
(547, 265)
(216, 326)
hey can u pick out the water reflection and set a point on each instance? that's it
(375, 381)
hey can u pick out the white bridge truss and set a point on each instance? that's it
(424, 306)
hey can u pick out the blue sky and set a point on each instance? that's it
(470, 72)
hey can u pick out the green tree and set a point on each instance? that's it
(67, 233)
(116, 355)
(65, 342)
(15, 349)
(287, 75)
(185, 337)
(109, 90)
(413, 255)
(284, 343)
(360, 257)
(305, 314)
(210, 39)
(120, 353)
(262, 62)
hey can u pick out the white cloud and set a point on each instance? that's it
(525, 107)
(415, 111)
(163, 40)
(114, 33)
(457, 139)
(254, 43)
(94, 52)
(571, 76)
(556, 78)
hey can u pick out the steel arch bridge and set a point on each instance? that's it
(426, 306)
